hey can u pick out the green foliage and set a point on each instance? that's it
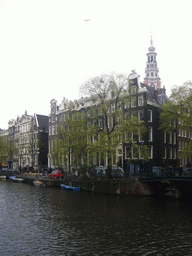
(178, 111)
(100, 127)
(3, 150)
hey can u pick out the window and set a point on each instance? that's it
(147, 74)
(113, 107)
(150, 152)
(179, 148)
(170, 153)
(174, 138)
(108, 122)
(164, 152)
(164, 137)
(150, 131)
(141, 115)
(140, 100)
(141, 153)
(114, 159)
(100, 123)
(151, 73)
(174, 153)
(170, 138)
(126, 104)
(135, 137)
(120, 105)
(53, 129)
(127, 152)
(133, 90)
(135, 152)
(141, 137)
(149, 115)
(133, 102)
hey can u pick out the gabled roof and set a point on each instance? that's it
(151, 90)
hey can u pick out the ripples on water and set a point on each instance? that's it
(52, 221)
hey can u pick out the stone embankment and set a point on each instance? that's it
(129, 186)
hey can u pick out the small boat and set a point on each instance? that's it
(17, 179)
(70, 188)
(3, 177)
(11, 177)
(38, 183)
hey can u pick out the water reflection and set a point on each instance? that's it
(52, 221)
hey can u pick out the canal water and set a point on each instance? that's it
(52, 221)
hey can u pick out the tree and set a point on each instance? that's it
(3, 150)
(179, 109)
(11, 150)
(109, 94)
(71, 143)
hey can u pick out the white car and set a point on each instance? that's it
(116, 171)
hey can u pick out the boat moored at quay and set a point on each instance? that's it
(164, 186)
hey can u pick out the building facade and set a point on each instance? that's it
(27, 138)
(148, 99)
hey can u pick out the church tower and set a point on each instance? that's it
(151, 71)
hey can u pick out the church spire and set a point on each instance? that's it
(151, 71)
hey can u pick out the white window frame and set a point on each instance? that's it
(141, 138)
(142, 110)
(151, 152)
(174, 138)
(151, 115)
(174, 153)
(140, 100)
(140, 153)
(134, 102)
(150, 133)
(165, 153)
(170, 153)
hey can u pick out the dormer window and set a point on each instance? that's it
(133, 90)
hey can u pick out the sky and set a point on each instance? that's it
(48, 49)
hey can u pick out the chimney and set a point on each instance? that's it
(156, 96)
(164, 90)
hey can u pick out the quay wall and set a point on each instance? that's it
(130, 186)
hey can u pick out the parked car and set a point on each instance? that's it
(57, 174)
(5, 169)
(115, 172)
